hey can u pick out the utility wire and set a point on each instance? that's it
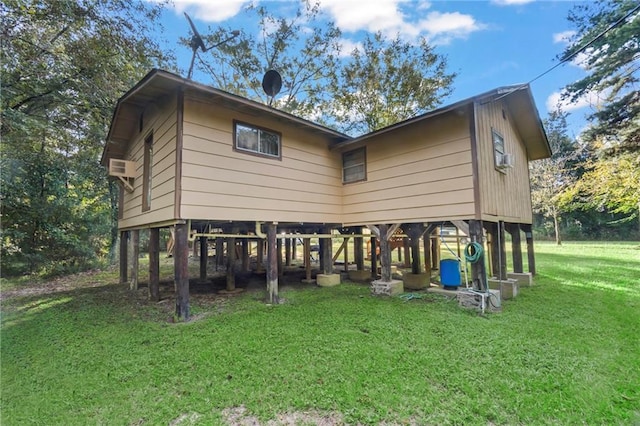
(572, 55)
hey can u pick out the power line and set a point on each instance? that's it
(572, 55)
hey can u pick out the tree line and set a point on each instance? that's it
(65, 64)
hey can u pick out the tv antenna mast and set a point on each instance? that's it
(197, 43)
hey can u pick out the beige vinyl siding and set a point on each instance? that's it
(421, 173)
(219, 183)
(161, 119)
(503, 195)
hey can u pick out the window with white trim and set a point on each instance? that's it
(498, 147)
(256, 140)
(354, 165)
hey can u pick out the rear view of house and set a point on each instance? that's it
(218, 166)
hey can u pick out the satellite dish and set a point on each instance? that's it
(272, 83)
(197, 42)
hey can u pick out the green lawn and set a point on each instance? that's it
(566, 351)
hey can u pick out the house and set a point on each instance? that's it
(218, 166)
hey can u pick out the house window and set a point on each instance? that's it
(354, 165)
(498, 147)
(146, 177)
(256, 140)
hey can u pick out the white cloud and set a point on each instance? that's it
(510, 2)
(387, 17)
(209, 11)
(591, 99)
(563, 37)
(348, 46)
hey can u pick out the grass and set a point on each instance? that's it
(566, 351)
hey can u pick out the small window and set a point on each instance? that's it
(256, 140)
(146, 178)
(498, 147)
(354, 165)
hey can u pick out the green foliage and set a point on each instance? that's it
(613, 72)
(552, 178)
(563, 352)
(380, 83)
(64, 65)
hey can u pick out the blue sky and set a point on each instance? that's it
(489, 43)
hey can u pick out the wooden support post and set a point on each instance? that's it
(492, 236)
(346, 254)
(326, 253)
(272, 263)
(435, 250)
(204, 257)
(426, 242)
(374, 259)
(502, 252)
(181, 271)
(245, 255)
(219, 252)
(497, 249)
(231, 262)
(458, 243)
(478, 269)
(358, 247)
(280, 261)
(531, 257)
(385, 254)
(154, 264)
(294, 249)
(400, 249)
(307, 259)
(342, 247)
(516, 248)
(124, 258)
(415, 231)
(260, 256)
(135, 259)
(406, 245)
(321, 259)
(287, 251)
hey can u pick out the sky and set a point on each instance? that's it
(488, 43)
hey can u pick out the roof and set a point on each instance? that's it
(158, 83)
(518, 99)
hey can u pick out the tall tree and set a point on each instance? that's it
(300, 47)
(387, 81)
(611, 30)
(553, 178)
(64, 64)
(381, 82)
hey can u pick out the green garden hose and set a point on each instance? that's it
(473, 252)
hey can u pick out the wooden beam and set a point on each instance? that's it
(204, 257)
(374, 258)
(339, 252)
(135, 259)
(326, 252)
(219, 252)
(154, 264)
(461, 225)
(385, 254)
(272, 263)
(516, 246)
(531, 257)
(280, 261)
(358, 250)
(245, 255)
(181, 270)
(478, 269)
(260, 256)
(124, 258)
(307, 258)
(287, 251)
(231, 262)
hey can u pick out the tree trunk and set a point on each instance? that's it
(556, 227)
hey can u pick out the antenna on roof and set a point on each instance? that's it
(197, 42)
(271, 84)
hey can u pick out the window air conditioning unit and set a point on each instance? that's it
(122, 168)
(507, 161)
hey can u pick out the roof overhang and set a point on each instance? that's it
(519, 101)
(159, 83)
